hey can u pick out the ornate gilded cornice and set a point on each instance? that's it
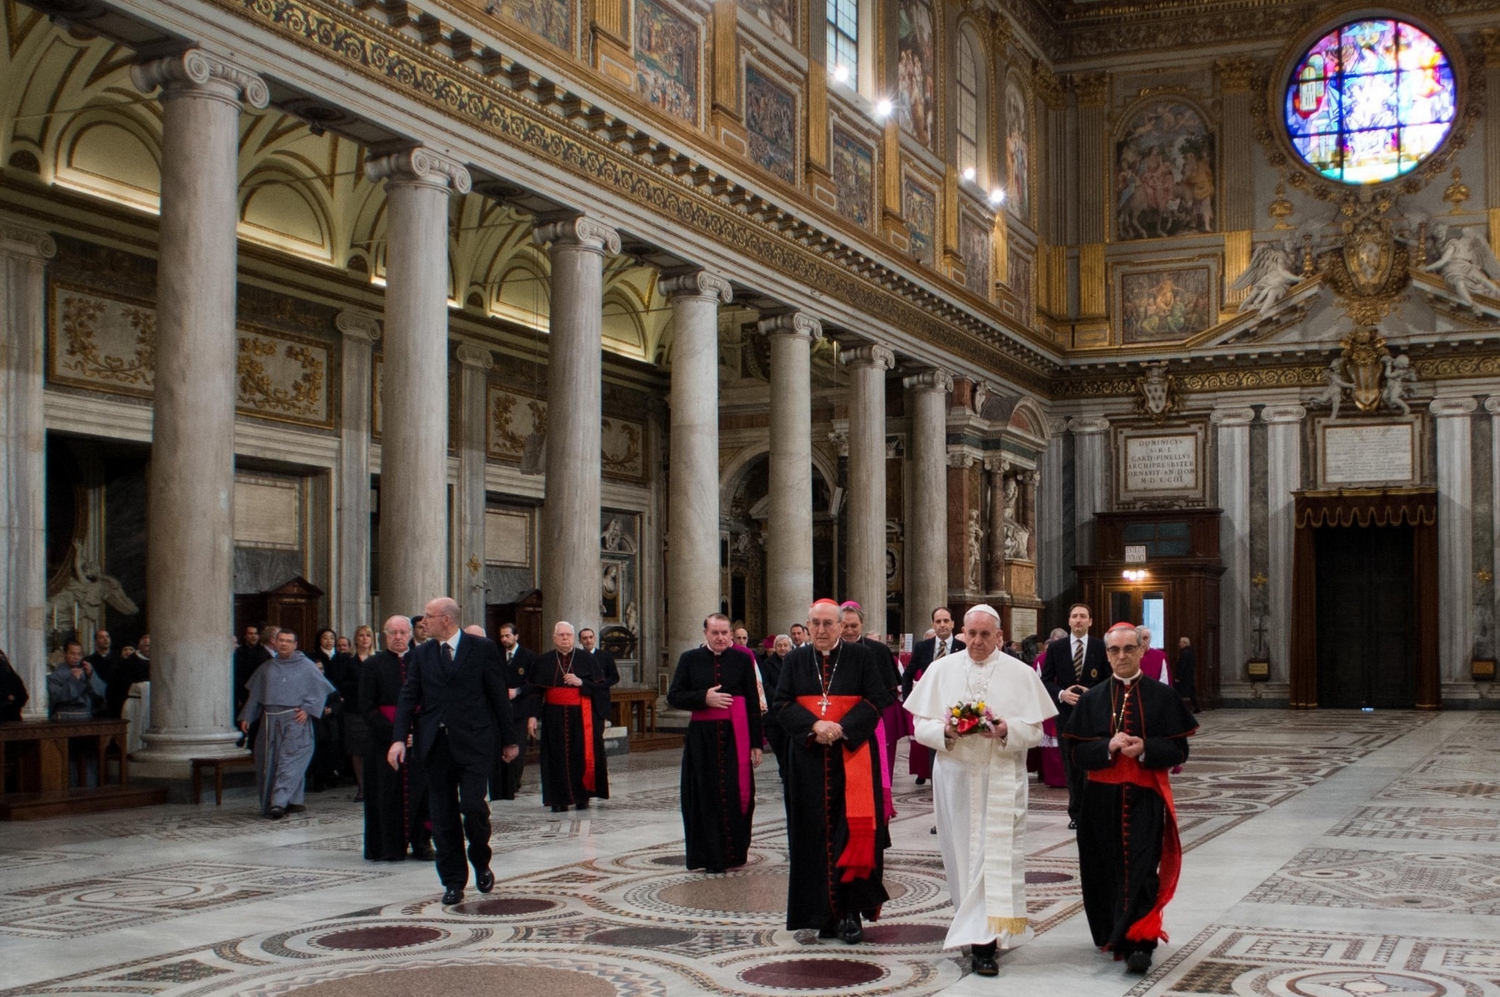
(564, 132)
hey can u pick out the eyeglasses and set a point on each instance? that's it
(1125, 649)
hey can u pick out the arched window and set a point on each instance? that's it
(1370, 100)
(969, 90)
(843, 42)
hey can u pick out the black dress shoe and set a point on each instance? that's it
(453, 895)
(558, 808)
(982, 960)
(921, 781)
(423, 852)
(1072, 825)
(850, 933)
(830, 928)
(276, 813)
(583, 804)
(932, 829)
(1138, 962)
(484, 880)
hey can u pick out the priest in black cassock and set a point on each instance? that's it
(1126, 734)
(716, 682)
(395, 799)
(559, 699)
(829, 701)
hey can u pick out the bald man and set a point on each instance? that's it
(458, 682)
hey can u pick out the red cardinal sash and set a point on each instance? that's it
(740, 720)
(568, 695)
(1128, 770)
(861, 795)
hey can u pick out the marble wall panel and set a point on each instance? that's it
(514, 417)
(107, 342)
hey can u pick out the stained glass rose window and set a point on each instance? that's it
(1370, 100)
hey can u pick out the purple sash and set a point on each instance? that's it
(885, 769)
(737, 716)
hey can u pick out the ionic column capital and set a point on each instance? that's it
(1056, 426)
(1492, 404)
(197, 73)
(798, 325)
(476, 357)
(1088, 426)
(358, 325)
(1449, 408)
(938, 381)
(25, 242)
(696, 284)
(418, 166)
(1283, 413)
(576, 232)
(997, 465)
(1232, 416)
(961, 458)
(869, 355)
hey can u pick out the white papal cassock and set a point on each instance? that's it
(979, 790)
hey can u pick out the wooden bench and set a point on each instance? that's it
(219, 765)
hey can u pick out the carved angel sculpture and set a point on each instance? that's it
(1466, 264)
(1271, 274)
(1337, 382)
(1398, 379)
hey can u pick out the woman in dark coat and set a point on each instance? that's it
(13, 694)
(346, 674)
(328, 756)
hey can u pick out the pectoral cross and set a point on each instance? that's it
(823, 706)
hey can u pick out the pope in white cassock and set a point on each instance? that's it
(979, 784)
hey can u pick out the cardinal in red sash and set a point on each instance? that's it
(1126, 734)
(829, 700)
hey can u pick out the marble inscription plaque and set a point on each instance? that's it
(1365, 454)
(1022, 623)
(266, 513)
(1161, 462)
(507, 538)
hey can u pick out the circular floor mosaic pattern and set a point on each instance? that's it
(446, 981)
(813, 974)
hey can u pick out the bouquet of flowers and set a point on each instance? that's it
(970, 718)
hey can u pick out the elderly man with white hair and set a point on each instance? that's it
(979, 782)
(558, 702)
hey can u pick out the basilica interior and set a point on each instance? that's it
(624, 312)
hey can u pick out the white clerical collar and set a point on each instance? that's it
(1132, 680)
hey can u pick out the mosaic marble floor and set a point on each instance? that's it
(1328, 855)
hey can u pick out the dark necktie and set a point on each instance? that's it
(942, 648)
(1078, 659)
(447, 654)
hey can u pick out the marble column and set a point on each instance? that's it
(475, 364)
(24, 252)
(693, 471)
(190, 490)
(575, 391)
(1455, 525)
(865, 571)
(927, 520)
(414, 387)
(352, 531)
(1492, 564)
(1053, 570)
(1232, 440)
(789, 532)
(996, 469)
(1090, 481)
(1283, 477)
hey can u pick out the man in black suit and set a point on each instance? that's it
(505, 781)
(1185, 675)
(588, 641)
(1073, 665)
(458, 682)
(941, 644)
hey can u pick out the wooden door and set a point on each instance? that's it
(1366, 630)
